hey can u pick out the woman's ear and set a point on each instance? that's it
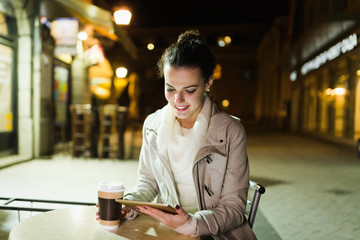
(209, 83)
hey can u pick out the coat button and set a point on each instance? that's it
(221, 140)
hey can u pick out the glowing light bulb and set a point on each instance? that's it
(122, 17)
(150, 46)
(121, 72)
(225, 103)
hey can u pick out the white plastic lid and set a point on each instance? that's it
(111, 186)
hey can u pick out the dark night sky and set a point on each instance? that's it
(160, 13)
(149, 14)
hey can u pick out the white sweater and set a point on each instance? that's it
(182, 146)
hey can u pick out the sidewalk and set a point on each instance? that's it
(312, 186)
(312, 189)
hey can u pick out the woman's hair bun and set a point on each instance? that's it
(189, 51)
(191, 36)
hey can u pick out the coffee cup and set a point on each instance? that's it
(109, 209)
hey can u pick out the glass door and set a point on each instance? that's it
(8, 142)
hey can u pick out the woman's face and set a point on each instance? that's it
(184, 90)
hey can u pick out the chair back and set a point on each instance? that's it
(258, 191)
(254, 202)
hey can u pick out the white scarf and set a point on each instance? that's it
(181, 146)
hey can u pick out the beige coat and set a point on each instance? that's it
(220, 172)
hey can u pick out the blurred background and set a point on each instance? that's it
(78, 78)
(292, 65)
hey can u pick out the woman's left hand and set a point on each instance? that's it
(171, 220)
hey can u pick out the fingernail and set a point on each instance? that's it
(177, 207)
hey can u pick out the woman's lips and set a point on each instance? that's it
(182, 108)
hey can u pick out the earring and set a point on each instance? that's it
(207, 92)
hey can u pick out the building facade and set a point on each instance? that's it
(273, 89)
(324, 64)
(35, 82)
(309, 70)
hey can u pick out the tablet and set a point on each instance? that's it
(160, 206)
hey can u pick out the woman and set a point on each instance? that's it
(193, 156)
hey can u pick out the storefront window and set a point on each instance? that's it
(339, 94)
(8, 94)
(331, 98)
(6, 114)
(357, 108)
(324, 102)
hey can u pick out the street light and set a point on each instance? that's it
(121, 72)
(122, 17)
(150, 46)
(224, 41)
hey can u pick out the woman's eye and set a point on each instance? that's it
(190, 91)
(170, 89)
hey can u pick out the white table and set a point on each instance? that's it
(79, 223)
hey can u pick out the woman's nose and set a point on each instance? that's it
(179, 97)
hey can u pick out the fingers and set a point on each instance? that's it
(125, 211)
(171, 220)
(97, 212)
(182, 213)
(180, 210)
(155, 213)
(98, 215)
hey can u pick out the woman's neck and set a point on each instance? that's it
(186, 123)
(189, 122)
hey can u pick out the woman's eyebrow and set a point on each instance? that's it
(191, 86)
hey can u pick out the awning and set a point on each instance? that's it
(102, 21)
(6, 8)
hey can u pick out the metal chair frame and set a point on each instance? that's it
(5, 205)
(254, 203)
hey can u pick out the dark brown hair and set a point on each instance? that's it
(191, 51)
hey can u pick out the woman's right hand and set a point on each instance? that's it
(97, 212)
(125, 210)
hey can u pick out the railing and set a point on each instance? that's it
(6, 206)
